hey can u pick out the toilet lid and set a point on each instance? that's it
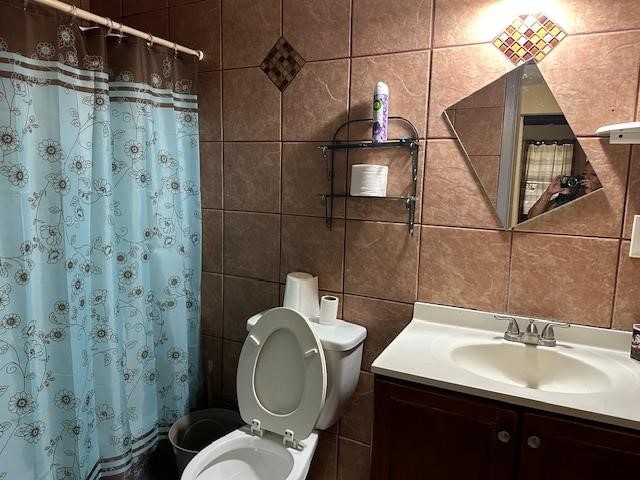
(282, 375)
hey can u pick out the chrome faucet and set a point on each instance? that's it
(531, 336)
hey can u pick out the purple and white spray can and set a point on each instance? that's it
(635, 342)
(380, 112)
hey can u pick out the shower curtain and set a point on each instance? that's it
(544, 162)
(100, 246)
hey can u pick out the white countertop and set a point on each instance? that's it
(421, 353)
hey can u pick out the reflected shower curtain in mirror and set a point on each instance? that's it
(544, 162)
(100, 246)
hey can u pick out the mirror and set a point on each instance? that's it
(521, 147)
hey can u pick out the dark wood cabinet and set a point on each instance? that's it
(556, 448)
(426, 433)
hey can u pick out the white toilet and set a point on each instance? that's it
(293, 376)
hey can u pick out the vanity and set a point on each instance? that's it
(454, 400)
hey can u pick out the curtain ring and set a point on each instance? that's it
(73, 12)
(175, 50)
(150, 40)
(110, 27)
(121, 33)
(26, 4)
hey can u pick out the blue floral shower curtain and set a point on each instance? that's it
(99, 246)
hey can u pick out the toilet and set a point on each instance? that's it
(294, 376)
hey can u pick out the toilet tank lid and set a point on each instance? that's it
(339, 337)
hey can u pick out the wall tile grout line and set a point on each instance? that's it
(569, 34)
(419, 50)
(340, 292)
(622, 226)
(346, 225)
(280, 255)
(615, 283)
(423, 176)
(222, 161)
(436, 225)
(318, 142)
(506, 305)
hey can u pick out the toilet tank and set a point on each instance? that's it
(342, 345)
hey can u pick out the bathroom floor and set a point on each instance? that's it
(161, 465)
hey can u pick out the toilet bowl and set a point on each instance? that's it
(294, 375)
(243, 455)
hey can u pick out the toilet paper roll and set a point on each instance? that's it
(328, 309)
(369, 180)
(301, 294)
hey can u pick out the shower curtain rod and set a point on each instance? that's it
(121, 27)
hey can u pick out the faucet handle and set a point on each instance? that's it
(513, 329)
(532, 329)
(548, 337)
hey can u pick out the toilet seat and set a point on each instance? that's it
(282, 376)
(240, 455)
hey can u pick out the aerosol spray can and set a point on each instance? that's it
(380, 112)
(635, 342)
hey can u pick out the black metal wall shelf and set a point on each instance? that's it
(411, 143)
(403, 142)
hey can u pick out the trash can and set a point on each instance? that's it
(193, 432)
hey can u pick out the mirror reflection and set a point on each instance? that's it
(520, 146)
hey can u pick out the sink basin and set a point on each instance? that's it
(531, 367)
(588, 375)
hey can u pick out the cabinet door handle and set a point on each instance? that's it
(534, 441)
(504, 436)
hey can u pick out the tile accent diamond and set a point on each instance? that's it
(529, 37)
(282, 64)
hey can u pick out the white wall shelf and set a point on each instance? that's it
(621, 133)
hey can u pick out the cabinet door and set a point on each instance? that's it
(426, 434)
(555, 448)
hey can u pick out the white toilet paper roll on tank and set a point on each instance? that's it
(328, 309)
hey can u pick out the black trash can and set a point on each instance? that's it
(193, 432)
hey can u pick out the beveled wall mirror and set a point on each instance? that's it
(521, 147)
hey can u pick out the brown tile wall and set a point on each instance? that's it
(261, 172)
